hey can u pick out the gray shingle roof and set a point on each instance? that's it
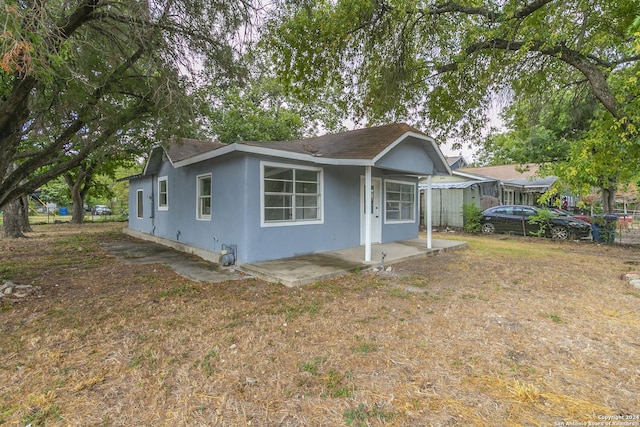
(363, 144)
(356, 144)
(183, 148)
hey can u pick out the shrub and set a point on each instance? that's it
(472, 218)
(542, 220)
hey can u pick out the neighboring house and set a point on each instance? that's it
(457, 162)
(450, 193)
(485, 186)
(520, 184)
(274, 200)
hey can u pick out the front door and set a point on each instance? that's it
(376, 210)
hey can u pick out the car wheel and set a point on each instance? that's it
(559, 233)
(488, 228)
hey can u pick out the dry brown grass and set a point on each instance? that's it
(508, 332)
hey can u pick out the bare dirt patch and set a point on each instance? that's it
(510, 331)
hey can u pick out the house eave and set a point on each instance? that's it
(439, 164)
(265, 151)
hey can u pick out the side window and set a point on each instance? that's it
(140, 204)
(203, 189)
(400, 200)
(163, 193)
(505, 211)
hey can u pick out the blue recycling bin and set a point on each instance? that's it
(64, 212)
(603, 228)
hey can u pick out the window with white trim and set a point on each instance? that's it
(400, 201)
(139, 204)
(163, 193)
(203, 191)
(291, 194)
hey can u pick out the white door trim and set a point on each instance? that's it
(370, 219)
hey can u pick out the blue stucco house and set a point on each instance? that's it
(271, 200)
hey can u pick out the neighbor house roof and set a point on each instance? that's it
(457, 162)
(503, 172)
(522, 176)
(357, 147)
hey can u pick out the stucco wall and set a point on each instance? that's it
(236, 208)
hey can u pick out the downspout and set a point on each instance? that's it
(152, 198)
(152, 214)
(428, 198)
(367, 213)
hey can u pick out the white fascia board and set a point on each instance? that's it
(265, 151)
(422, 137)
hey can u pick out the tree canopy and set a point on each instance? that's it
(442, 63)
(76, 76)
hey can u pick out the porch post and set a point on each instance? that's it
(428, 211)
(367, 213)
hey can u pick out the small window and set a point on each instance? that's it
(204, 197)
(139, 204)
(400, 201)
(163, 194)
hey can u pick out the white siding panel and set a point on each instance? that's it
(447, 207)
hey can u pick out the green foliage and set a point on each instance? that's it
(365, 348)
(572, 138)
(541, 222)
(441, 64)
(79, 79)
(363, 415)
(254, 113)
(56, 191)
(207, 363)
(472, 217)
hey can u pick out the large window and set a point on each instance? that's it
(203, 187)
(291, 194)
(163, 194)
(400, 201)
(139, 204)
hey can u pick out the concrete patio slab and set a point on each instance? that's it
(305, 269)
(184, 264)
(295, 271)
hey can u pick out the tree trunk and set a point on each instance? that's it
(11, 226)
(78, 206)
(608, 199)
(79, 181)
(24, 215)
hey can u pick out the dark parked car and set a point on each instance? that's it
(517, 219)
(561, 212)
(101, 210)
